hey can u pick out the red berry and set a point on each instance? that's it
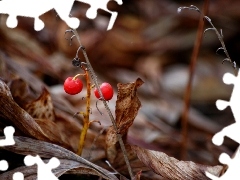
(73, 86)
(107, 91)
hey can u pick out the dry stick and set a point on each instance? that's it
(189, 85)
(94, 78)
(219, 35)
(94, 141)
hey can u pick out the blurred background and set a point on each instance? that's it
(150, 40)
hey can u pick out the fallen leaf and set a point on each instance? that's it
(33, 81)
(20, 91)
(173, 169)
(21, 120)
(54, 133)
(68, 160)
(127, 106)
(42, 107)
(10, 111)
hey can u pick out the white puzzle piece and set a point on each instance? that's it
(8, 141)
(8, 132)
(95, 5)
(44, 170)
(36, 8)
(231, 131)
(3, 165)
(18, 176)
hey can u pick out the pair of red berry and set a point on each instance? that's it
(74, 86)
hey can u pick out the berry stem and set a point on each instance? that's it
(85, 114)
(94, 78)
(76, 76)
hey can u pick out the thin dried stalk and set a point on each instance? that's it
(94, 78)
(219, 35)
(189, 84)
(85, 114)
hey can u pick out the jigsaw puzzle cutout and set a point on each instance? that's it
(231, 131)
(8, 141)
(92, 11)
(18, 176)
(44, 170)
(232, 172)
(3, 165)
(36, 8)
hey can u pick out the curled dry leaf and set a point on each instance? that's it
(127, 106)
(10, 111)
(42, 107)
(20, 91)
(68, 160)
(21, 120)
(173, 169)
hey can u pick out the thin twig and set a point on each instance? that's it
(93, 143)
(219, 35)
(116, 172)
(189, 84)
(94, 78)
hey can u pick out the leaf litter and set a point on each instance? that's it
(37, 119)
(155, 131)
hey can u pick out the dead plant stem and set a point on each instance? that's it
(187, 95)
(94, 78)
(86, 121)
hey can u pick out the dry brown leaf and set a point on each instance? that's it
(43, 112)
(54, 133)
(21, 120)
(33, 81)
(42, 107)
(69, 166)
(31, 52)
(127, 106)
(64, 130)
(20, 91)
(10, 111)
(69, 160)
(173, 169)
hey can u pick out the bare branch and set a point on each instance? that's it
(219, 34)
